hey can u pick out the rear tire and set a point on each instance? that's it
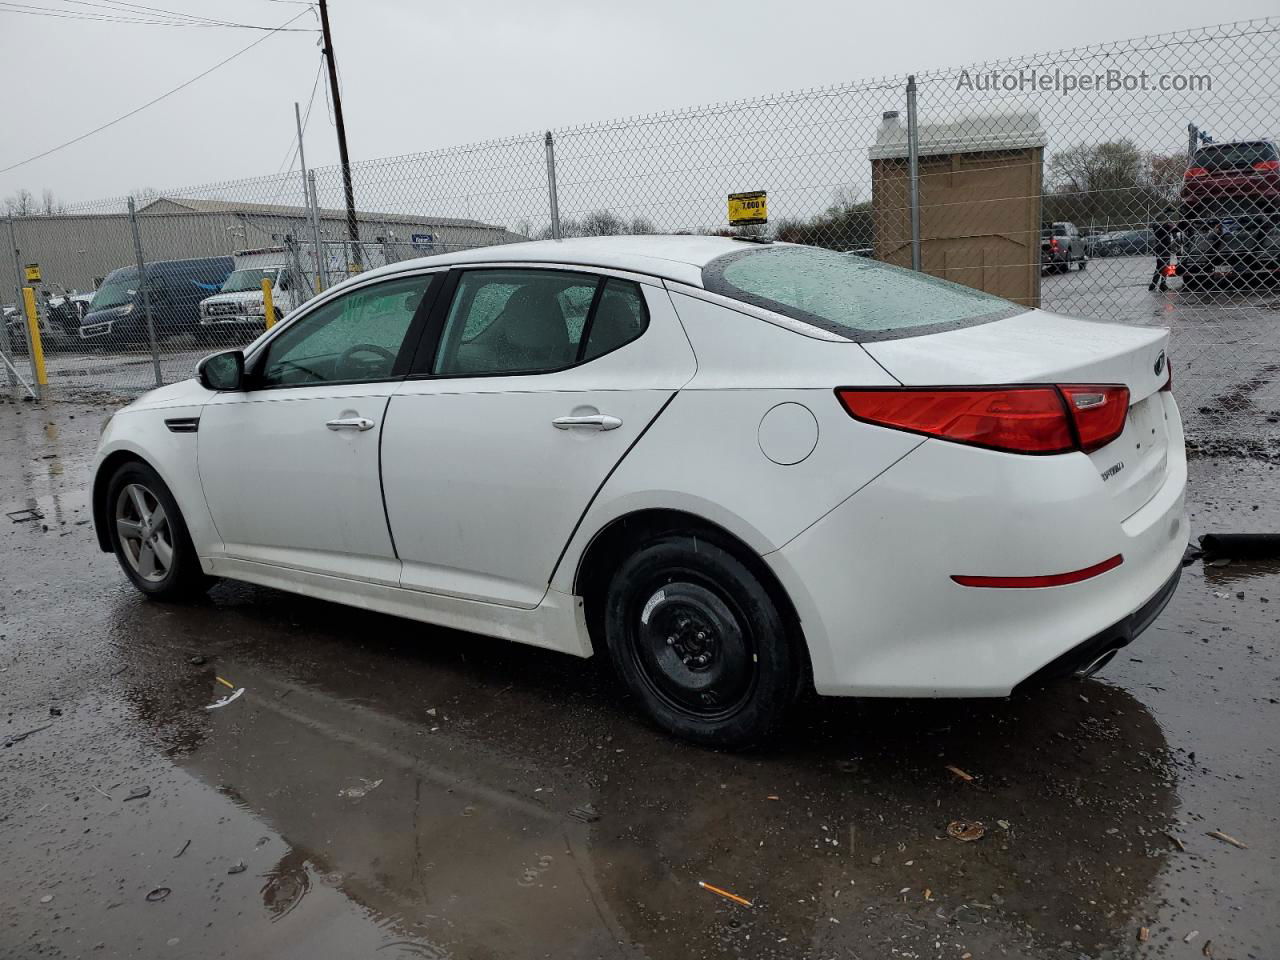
(149, 536)
(698, 639)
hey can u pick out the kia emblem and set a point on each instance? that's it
(1160, 363)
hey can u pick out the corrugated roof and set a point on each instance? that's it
(285, 210)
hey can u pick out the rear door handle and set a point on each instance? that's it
(599, 421)
(350, 423)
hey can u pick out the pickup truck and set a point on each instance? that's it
(1061, 245)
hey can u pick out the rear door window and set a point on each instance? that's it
(853, 296)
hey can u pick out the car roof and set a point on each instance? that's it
(673, 257)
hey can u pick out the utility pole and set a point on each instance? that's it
(353, 228)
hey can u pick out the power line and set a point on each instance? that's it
(152, 102)
(154, 16)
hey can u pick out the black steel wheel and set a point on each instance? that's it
(697, 637)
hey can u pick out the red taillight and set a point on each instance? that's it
(1170, 270)
(1099, 411)
(1044, 580)
(1195, 172)
(1053, 243)
(1266, 166)
(1030, 419)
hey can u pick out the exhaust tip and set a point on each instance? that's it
(1089, 669)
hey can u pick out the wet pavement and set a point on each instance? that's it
(384, 789)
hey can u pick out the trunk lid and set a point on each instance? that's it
(1043, 347)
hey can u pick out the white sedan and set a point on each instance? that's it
(741, 469)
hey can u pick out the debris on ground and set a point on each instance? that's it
(967, 777)
(237, 867)
(1144, 934)
(1207, 949)
(182, 850)
(19, 737)
(1241, 546)
(355, 793)
(158, 894)
(47, 898)
(585, 813)
(231, 698)
(198, 661)
(725, 893)
(138, 793)
(55, 711)
(1180, 845)
(1227, 838)
(23, 516)
(966, 830)
(1191, 936)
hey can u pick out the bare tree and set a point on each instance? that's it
(50, 205)
(21, 203)
(1167, 173)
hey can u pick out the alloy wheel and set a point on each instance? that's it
(146, 537)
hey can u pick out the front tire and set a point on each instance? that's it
(149, 536)
(698, 639)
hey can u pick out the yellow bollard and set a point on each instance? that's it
(268, 305)
(33, 334)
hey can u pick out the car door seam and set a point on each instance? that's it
(382, 490)
(586, 509)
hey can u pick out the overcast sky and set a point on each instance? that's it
(419, 75)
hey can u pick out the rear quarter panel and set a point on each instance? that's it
(703, 454)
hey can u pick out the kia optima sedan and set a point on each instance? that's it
(739, 470)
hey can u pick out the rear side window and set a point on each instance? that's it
(535, 321)
(853, 296)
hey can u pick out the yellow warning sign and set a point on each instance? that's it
(750, 207)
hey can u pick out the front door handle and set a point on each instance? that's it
(599, 421)
(350, 423)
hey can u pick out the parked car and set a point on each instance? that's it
(1245, 169)
(1239, 244)
(1061, 245)
(175, 289)
(67, 312)
(238, 310)
(735, 468)
(1124, 243)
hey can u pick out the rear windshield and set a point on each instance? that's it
(853, 296)
(1234, 156)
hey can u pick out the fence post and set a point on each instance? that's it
(145, 286)
(913, 164)
(268, 305)
(6, 347)
(1193, 140)
(551, 187)
(38, 373)
(322, 267)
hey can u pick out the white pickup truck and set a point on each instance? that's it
(236, 311)
(238, 307)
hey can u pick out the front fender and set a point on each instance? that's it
(143, 435)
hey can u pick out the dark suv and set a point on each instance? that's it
(1225, 171)
(1234, 242)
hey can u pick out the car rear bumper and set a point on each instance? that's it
(872, 580)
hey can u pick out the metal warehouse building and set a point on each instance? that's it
(75, 250)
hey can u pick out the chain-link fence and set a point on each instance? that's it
(1135, 182)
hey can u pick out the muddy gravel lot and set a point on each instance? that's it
(381, 789)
